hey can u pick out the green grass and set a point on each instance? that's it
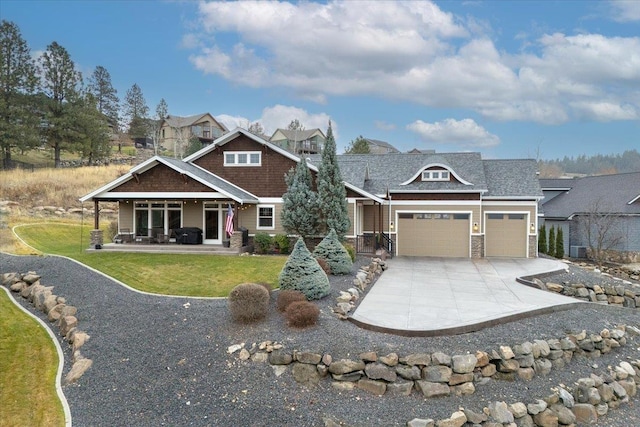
(197, 275)
(28, 364)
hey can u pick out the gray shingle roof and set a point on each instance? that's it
(180, 122)
(612, 193)
(381, 144)
(512, 178)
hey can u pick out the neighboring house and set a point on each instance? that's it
(568, 202)
(454, 204)
(416, 151)
(175, 132)
(380, 147)
(308, 141)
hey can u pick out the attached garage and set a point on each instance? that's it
(434, 234)
(506, 235)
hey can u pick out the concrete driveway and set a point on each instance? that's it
(441, 296)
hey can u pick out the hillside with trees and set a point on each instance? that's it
(600, 164)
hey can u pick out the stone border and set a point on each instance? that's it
(58, 312)
(438, 375)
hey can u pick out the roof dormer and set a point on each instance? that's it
(436, 172)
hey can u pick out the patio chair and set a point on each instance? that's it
(162, 238)
(125, 235)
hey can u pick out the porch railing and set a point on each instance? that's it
(369, 243)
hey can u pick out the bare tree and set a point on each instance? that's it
(602, 230)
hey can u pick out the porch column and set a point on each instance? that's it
(96, 215)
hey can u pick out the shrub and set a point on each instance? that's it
(301, 272)
(288, 296)
(351, 250)
(266, 285)
(248, 302)
(542, 240)
(334, 253)
(301, 314)
(324, 265)
(112, 229)
(559, 243)
(262, 242)
(281, 242)
(552, 242)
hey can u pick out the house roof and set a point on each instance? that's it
(556, 183)
(201, 175)
(512, 178)
(297, 135)
(393, 172)
(618, 193)
(180, 122)
(381, 144)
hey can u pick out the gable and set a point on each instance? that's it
(161, 179)
(426, 173)
(266, 180)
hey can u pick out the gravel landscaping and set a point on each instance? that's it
(164, 361)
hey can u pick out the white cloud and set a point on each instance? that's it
(625, 10)
(279, 116)
(413, 51)
(465, 132)
(605, 111)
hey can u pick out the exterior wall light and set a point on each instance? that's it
(533, 227)
(391, 225)
(475, 226)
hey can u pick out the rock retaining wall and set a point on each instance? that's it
(433, 375)
(58, 312)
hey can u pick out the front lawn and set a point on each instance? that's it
(173, 274)
(28, 364)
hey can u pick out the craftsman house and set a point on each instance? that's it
(176, 131)
(450, 204)
(615, 199)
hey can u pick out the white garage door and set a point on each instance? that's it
(433, 234)
(506, 235)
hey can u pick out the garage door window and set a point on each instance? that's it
(495, 216)
(460, 216)
(516, 216)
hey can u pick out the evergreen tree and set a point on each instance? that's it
(331, 250)
(302, 273)
(552, 242)
(559, 243)
(331, 192)
(19, 123)
(162, 110)
(542, 240)
(300, 203)
(106, 97)
(358, 146)
(60, 82)
(92, 130)
(137, 112)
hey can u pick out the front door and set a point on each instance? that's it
(212, 225)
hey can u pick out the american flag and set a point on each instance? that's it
(228, 226)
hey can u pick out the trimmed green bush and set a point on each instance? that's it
(542, 240)
(301, 272)
(248, 302)
(334, 253)
(552, 242)
(281, 242)
(351, 250)
(301, 314)
(262, 242)
(559, 243)
(288, 296)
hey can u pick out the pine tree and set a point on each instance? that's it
(302, 273)
(137, 111)
(358, 146)
(92, 130)
(300, 203)
(559, 243)
(331, 192)
(60, 82)
(331, 250)
(552, 242)
(18, 79)
(106, 97)
(542, 240)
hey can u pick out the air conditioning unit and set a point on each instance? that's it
(578, 251)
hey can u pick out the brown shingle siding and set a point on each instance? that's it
(161, 178)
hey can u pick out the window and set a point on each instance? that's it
(435, 175)
(460, 216)
(266, 217)
(495, 216)
(516, 216)
(242, 158)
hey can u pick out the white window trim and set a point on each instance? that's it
(427, 175)
(273, 217)
(235, 158)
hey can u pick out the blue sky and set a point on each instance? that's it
(510, 79)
